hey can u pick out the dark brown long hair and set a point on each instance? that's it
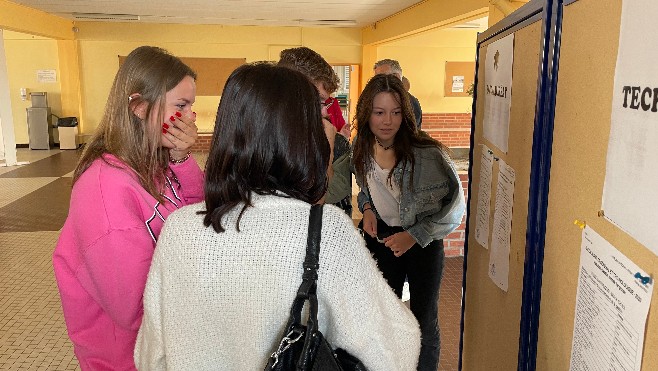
(151, 72)
(268, 139)
(407, 137)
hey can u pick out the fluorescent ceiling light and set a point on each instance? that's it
(328, 22)
(106, 16)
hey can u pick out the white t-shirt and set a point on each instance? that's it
(384, 194)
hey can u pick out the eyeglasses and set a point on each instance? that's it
(326, 105)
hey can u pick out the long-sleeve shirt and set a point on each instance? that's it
(221, 301)
(104, 253)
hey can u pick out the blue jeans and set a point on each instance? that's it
(423, 269)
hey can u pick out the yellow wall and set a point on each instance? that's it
(420, 39)
(86, 66)
(88, 58)
(25, 55)
(19, 18)
(101, 43)
(423, 59)
(69, 71)
(426, 15)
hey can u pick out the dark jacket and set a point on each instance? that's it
(418, 112)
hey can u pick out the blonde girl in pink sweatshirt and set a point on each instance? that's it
(133, 173)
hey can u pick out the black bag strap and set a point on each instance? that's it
(307, 289)
(314, 342)
(307, 292)
(309, 279)
(310, 275)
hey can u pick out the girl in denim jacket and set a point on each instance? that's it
(410, 197)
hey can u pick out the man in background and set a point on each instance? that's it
(392, 67)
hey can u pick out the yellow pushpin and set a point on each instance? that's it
(580, 224)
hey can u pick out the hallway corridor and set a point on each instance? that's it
(34, 202)
(33, 206)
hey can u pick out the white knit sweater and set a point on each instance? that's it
(220, 301)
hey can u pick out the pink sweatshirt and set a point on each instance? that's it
(104, 253)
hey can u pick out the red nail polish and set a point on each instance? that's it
(164, 131)
(178, 114)
(165, 126)
(172, 118)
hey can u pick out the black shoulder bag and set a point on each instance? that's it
(303, 347)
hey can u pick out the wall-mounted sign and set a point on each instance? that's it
(46, 76)
(631, 178)
(458, 84)
(498, 91)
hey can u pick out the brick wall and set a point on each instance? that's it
(202, 143)
(454, 243)
(451, 129)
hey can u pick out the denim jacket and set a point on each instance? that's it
(435, 206)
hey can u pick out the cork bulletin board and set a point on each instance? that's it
(580, 134)
(588, 52)
(492, 316)
(458, 74)
(212, 73)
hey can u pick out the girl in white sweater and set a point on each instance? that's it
(225, 272)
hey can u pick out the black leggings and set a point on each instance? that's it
(423, 269)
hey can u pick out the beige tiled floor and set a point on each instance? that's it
(32, 331)
(26, 155)
(15, 188)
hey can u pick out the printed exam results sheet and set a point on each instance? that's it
(612, 303)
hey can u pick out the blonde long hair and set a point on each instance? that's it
(147, 74)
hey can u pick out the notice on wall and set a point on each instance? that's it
(498, 91)
(502, 224)
(46, 76)
(630, 198)
(484, 198)
(612, 303)
(458, 84)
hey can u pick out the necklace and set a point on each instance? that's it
(383, 146)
